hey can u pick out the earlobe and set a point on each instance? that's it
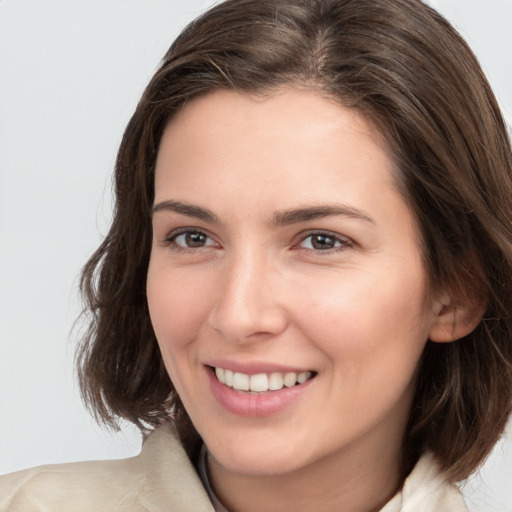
(456, 321)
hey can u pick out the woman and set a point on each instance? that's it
(308, 276)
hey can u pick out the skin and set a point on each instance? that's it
(256, 289)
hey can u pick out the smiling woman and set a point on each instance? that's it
(328, 304)
(304, 295)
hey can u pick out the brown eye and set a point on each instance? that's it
(195, 239)
(323, 242)
(191, 240)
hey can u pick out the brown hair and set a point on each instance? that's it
(405, 68)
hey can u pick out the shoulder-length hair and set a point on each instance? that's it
(407, 70)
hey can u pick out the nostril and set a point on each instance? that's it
(246, 327)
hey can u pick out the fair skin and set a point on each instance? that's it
(283, 246)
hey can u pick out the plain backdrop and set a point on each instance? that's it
(71, 72)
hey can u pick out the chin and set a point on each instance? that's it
(253, 458)
(256, 465)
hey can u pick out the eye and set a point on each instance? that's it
(190, 239)
(324, 242)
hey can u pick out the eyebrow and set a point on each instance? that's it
(317, 212)
(186, 209)
(281, 218)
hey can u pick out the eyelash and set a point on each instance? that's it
(343, 243)
(172, 237)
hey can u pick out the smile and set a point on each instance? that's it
(261, 382)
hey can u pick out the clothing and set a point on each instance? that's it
(162, 479)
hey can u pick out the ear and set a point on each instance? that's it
(456, 318)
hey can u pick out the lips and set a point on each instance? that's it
(251, 394)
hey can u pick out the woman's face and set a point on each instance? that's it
(284, 255)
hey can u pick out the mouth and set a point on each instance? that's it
(261, 382)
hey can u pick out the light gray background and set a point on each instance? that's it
(71, 72)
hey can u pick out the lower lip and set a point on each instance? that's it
(255, 405)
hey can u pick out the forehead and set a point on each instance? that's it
(296, 133)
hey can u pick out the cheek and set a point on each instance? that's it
(178, 308)
(372, 335)
(360, 317)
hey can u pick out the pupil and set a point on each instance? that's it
(195, 239)
(323, 242)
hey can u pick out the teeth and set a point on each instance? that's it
(260, 382)
(220, 375)
(303, 377)
(290, 379)
(275, 381)
(241, 381)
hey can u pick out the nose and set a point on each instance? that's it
(248, 306)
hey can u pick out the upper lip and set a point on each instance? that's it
(254, 367)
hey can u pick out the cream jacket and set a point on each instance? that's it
(162, 479)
